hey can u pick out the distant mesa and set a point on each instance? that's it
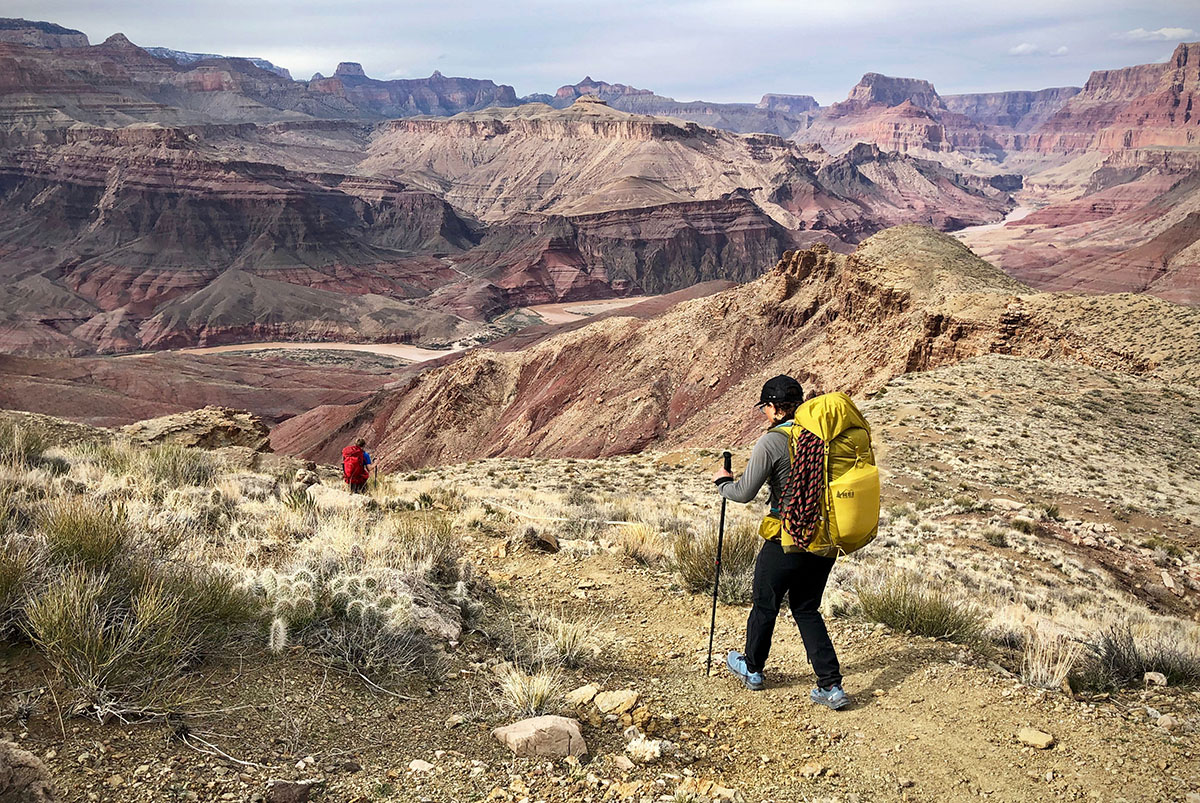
(588, 87)
(349, 68)
(875, 88)
(185, 58)
(790, 104)
(40, 34)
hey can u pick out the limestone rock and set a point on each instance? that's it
(616, 702)
(550, 736)
(583, 695)
(1155, 679)
(1035, 738)
(23, 776)
(419, 765)
(207, 428)
(1169, 723)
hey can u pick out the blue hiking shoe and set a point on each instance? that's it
(737, 665)
(833, 697)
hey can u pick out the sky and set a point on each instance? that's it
(714, 50)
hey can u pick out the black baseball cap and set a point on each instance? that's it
(781, 389)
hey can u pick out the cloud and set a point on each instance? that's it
(1161, 35)
(1030, 49)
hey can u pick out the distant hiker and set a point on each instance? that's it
(783, 566)
(356, 466)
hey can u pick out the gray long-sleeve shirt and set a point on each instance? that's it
(770, 463)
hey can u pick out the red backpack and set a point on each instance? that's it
(354, 465)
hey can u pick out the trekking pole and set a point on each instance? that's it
(712, 627)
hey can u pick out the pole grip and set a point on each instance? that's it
(728, 455)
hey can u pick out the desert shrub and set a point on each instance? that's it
(995, 536)
(1047, 661)
(903, 603)
(1024, 525)
(1117, 658)
(694, 560)
(642, 542)
(578, 497)
(529, 694)
(122, 649)
(373, 643)
(84, 531)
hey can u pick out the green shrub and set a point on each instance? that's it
(995, 536)
(1117, 658)
(695, 561)
(902, 603)
(84, 531)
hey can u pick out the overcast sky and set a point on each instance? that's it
(715, 50)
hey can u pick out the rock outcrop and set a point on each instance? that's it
(908, 299)
(791, 104)
(206, 428)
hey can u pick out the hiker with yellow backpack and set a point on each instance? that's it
(817, 460)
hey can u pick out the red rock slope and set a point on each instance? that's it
(907, 299)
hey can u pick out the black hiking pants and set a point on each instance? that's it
(802, 576)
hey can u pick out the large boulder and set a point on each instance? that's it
(23, 777)
(207, 428)
(549, 736)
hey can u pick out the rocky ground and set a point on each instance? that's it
(974, 506)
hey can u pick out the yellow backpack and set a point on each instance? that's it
(850, 507)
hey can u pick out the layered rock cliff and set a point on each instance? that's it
(1134, 107)
(1016, 111)
(40, 34)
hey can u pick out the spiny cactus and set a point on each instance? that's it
(277, 640)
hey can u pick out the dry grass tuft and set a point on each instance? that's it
(567, 642)
(529, 694)
(642, 542)
(1119, 658)
(1047, 660)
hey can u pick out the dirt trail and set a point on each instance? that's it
(930, 720)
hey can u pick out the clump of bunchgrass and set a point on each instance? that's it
(531, 693)
(177, 466)
(904, 603)
(695, 556)
(123, 644)
(642, 542)
(18, 562)
(84, 531)
(21, 445)
(566, 641)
